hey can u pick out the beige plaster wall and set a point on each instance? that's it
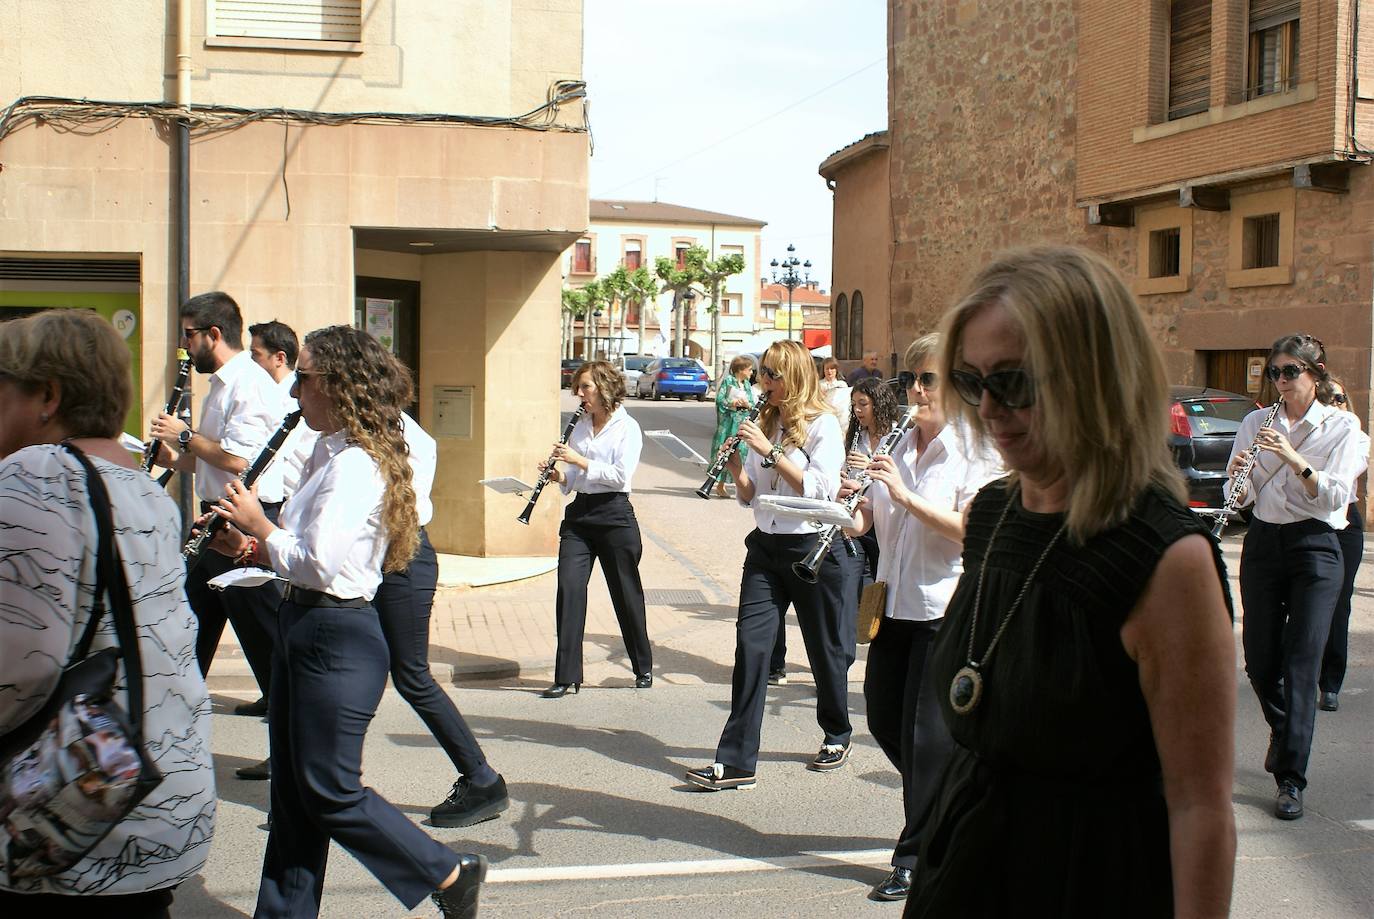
(862, 249)
(476, 57)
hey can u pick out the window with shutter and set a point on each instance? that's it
(306, 20)
(840, 328)
(1190, 57)
(1272, 65)
(856, 325)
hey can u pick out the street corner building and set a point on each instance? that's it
(415, 170)
(1217, 151)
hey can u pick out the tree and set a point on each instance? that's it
(643, 292)
(680, 281)
(713, 275)
(619, 291)
(574, 307)
(597, 297)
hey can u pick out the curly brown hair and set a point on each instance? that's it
(610, 385)
(368, 388)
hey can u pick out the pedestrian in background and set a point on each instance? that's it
(734, 399)
(869, 368)
(834, 389)
(1086, 664)
(1352, 553)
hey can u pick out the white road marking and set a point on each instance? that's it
(677, 869)
(1366, 825)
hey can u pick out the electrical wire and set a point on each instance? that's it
(88, 117)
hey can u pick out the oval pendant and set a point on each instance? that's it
(965, 690)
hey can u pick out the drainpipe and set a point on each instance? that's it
(186, 495)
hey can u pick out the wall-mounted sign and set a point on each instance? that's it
(453, 411)
(1254, 374)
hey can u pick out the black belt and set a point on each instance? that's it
(303, 597)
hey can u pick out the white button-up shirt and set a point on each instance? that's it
(297, 449)
(241, 411)
(922, 567)
(820, 464)
(612, 455)
(424, 459)
(1331, 442)
(331, 536)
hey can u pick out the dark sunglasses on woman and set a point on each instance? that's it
(1013, 389)
(928, 380)
(1289, 372)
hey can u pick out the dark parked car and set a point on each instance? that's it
(672, 376)
(566, 368)
(1202, 432)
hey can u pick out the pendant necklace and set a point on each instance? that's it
(966, 689)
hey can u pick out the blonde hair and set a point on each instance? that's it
(803, 402)
(1101, 396)
(610, 385)
(84, 355)
(920, 351)
(368, 387)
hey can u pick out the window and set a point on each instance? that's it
(634, 253)
(731, 306)
(839, 325)
(1272, 61)
(681, 251)
(1261, 242)
(302, 20)
(582, 257)
(1190, 57)
(1164, 252)
(856, 326)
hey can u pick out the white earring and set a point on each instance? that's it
(43, 417)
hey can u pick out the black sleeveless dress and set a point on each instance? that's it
(1052, 802)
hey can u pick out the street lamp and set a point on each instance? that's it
(688, 298)
(790, 278)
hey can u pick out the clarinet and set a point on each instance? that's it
(180, 390)
(1242, 478)
(727, 450)
(807, 569)
(853, 445)
(548, 467)
(195, 546)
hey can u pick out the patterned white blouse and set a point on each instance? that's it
(47, 577)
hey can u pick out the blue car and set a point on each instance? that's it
(672, 376)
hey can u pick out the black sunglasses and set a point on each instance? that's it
(1014, 389)
(1289, 372)
(188, 332)
(906, 379)
(770, 372)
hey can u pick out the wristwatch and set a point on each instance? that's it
(184, 438)
(772, 458)
(1306, 472)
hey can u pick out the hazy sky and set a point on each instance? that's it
(731, 105)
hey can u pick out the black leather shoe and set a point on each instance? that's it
(717, 777)
(894, 887)
(559, 690)
(1288, 804)
(644, 681)
(258, 772)
(467, 803)
(831, 756)
(459, 899)
(1329, 702)
(256, 709)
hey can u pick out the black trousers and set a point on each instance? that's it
(768, 586)
(329, 674)
(251, 610)
(1290, 577)
(1352, 553)
(404, 602)
(904, 717)
(612, 538)
(860, 570)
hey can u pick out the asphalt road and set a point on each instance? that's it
(602, 823)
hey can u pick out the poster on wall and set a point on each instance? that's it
(380, 316)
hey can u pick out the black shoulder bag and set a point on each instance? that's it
(73, 771)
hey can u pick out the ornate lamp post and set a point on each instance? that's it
(789, 277)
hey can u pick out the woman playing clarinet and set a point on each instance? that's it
(598, 462)
(795, 448)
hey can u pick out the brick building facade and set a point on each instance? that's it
(1233, 190)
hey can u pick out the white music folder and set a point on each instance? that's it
(244, 577)
(674, 445)
(507, 485)
(822, 513)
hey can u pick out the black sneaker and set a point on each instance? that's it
(716, 777)
(459, 899)
(777, 678)
(832, 756)
(467, 803)
(256, 709)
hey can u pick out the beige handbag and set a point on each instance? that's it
(872, 605)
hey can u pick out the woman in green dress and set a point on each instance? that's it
(734, 399)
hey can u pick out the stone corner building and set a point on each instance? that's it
(1216, 150)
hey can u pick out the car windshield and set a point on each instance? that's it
(1216, 417)
(636, 363)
